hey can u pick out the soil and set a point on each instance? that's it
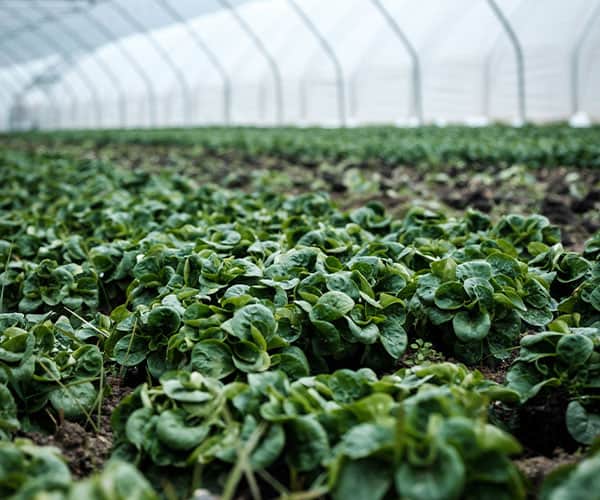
(498, 372)
(541, 417)
(536, 468)
(86, 449)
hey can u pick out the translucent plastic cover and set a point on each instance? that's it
(76, 63)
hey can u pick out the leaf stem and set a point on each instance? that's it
(242, 462)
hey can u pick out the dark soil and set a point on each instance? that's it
(86, 449)
(536, 468)
(497, 373)
(541, 417)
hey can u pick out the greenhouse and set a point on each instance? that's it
(299, 249)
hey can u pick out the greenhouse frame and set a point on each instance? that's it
(126, 63)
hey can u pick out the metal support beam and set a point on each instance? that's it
(487, 70)
(210, 55)
(265, 53)
(133, 62)
(303, 100)
(487, 80)
(164, 55)
(575, 58)
(74, 35)
(417, 95)
(330, 52)
(353, 94)
(519, 57)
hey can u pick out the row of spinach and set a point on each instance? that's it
(238, 306)
(420, 433)
(28, 471)
(550, 145)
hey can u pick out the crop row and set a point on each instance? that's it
(431, 146)
(271, 332)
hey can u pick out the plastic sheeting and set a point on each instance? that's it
(468, 71)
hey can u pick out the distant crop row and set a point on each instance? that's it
(433, 146)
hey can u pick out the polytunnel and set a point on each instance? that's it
(299, 249)
(141, 63)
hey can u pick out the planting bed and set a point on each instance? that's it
(369, 313)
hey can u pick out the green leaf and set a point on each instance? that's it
(130, 350)
(450, 295)
(16, 345)
(348, 386)
(307, 444)
(327, 337)
(342, 282)
(212, 358)
(494, 438)
(158, 365)
(74, 400)
(89, 361)
(594, 298)
(427, 287)
(511, 299)
(480, 290)
(535, 294)
(292, 361)
(117, 481)
(367, 334)
(393, 337)
(445, 269)
(374, 407)
(503, 264)
(173, 431)
(471, 325)
(442, 479)
(527, 380)
(261, 363)
(331, 306)
(366, 479)
(582, 425)
(366, 439)
(163, 320)
(252, 316)
(190, 388)
(575, 349)
(575, 482)
(536, 317)
(8, 411)
(474, 269)
(269, 448)
(135, 427)
(147, 270)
